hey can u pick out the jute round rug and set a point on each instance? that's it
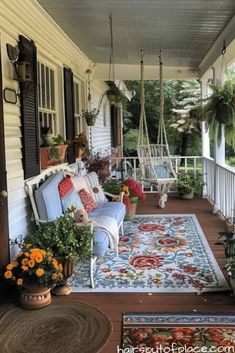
(62, 327)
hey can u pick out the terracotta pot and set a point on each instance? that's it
(131, 211)
(35, 297)
(79, 152)
(68, 266)
(44, 156)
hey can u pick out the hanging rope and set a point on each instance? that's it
(143, 129)
(223, 52)
(111, 56)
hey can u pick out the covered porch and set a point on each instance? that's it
(114, 304)
(192, 44)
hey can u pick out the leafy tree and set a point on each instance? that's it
(188, 95)
(175, 92)
(152, 106)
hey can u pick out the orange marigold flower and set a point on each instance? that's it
(40, 272)
(31, 263)
(60, 267)
(38, 258)
(35, 250)
(32, 256)
(25, 262)
(8, 274)
(60, 275)
(26, 254)
(10, 266)
(19, 282)
(43, 252)
(54, 275)
(56, 265)
(24, 268)
(15, 263)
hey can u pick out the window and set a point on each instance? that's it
(46, 97)
(77, 107)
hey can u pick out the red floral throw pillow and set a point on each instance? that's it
(65, 186)
(87, 200)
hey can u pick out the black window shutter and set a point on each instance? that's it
(69, 112)
(29, 110)
(114, 126)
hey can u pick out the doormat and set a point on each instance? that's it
(179, 332)
(158, 253)
(63, 326)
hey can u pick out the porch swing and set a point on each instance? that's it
(154, 159)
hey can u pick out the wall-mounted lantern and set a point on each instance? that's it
(22, 68)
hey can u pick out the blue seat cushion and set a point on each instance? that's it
(161, 171)
(100, 243)
(47, 198)
(116, 210)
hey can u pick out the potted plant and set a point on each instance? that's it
(220, 111)
(188, 184)
(98, 163)
(81, 145)
(90, 115)
(112, 186)
(67, 240)
(132, 193)
(52, 151)
(227, 239)
(115, 96)
(34, 271)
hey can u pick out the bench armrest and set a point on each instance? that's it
(119, 196)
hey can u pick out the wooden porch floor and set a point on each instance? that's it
(113, 305)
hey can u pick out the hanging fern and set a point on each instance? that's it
(220, 111)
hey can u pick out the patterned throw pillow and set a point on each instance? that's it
(95, 189)
(87, 200)
(68, 195)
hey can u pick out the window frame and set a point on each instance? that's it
(51, 111)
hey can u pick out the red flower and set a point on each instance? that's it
(148, 227)
(135, 190)
(146, 261)
(183, 335)
(126, 201)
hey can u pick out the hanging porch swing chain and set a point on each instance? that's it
(111, 57)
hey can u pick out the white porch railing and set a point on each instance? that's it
(223, 194)
(129, 167)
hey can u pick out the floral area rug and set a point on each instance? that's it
(158, 253)
(163, 332)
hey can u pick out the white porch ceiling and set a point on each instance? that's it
(189, 32)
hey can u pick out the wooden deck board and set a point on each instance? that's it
(114, 304)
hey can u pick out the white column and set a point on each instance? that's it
(219, 154)
(205, 140)
(204, 130)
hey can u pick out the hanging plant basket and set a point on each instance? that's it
(90, 116)
(220, 111)
(91, 120)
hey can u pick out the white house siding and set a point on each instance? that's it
(27, 18)
(100, 134)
